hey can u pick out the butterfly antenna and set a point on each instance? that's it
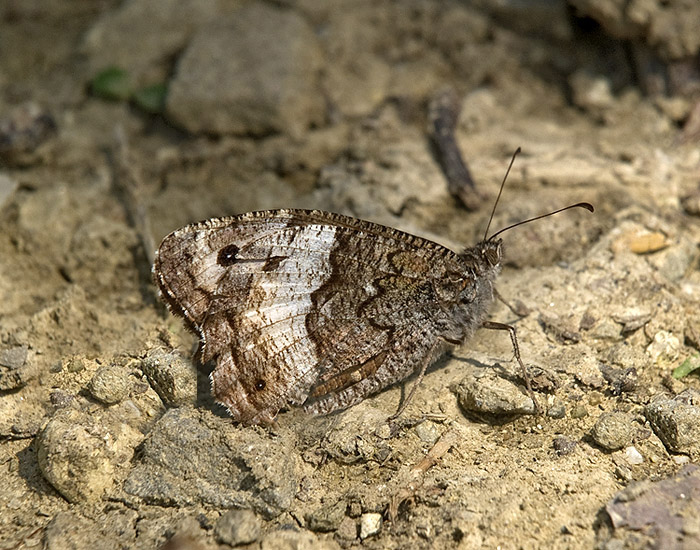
(585, 205)
(495, 204)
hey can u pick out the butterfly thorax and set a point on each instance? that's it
(474, 290)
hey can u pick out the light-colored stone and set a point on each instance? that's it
(253, 73)
(370, 524)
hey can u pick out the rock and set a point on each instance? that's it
(631, 319)
(633, 456)
(191, 457)
(677, 422)
(254, 73)
(557, 409)
(326, 518)
(664, 348)
(370, 524)
(353, 436)
(81, 457)
(606, 329)
(60, 398)
(172, 377)
(15, 370)
(427, 432)
(562, 329)
(347, 530)
(620, 380)
(110, 384)
(14, 357)
(69, 530)
(157, 30)
(563, 445)
(295, 539)
(674, 262)
(488, 393)
(188, 535)
(22, 131)
(579, 411)
(237, 527)
(660, 514)
(613, 431)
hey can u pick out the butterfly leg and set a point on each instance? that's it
(511, 330)
(427, 360)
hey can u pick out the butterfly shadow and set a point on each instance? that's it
(205, 399)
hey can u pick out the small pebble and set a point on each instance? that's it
(595, 398)
(427, 432)
(563, 445)
(613, 431)
(172, 376)
(370, 524)
(75, 365)
(491, 394)
(664, 348)
(633, 456)
(110, 384)
(327, 518)
(13, 358)
(557, 409)
(579, 411)
(347, 530)
(237, 527)
(60, 398)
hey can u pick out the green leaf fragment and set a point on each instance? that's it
(112, 83)
(686, 367)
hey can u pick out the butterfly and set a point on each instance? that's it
(312, 308)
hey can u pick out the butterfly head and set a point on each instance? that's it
(484, 259)
(491, 252)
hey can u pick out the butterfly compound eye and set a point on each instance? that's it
(493, 256)
(227, 255)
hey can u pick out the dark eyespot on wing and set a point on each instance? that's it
(227, 255)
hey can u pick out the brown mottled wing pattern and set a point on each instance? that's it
(306, 307)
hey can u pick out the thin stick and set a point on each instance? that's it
(447, 440)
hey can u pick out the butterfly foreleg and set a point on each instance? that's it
(516, 349)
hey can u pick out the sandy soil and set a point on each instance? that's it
(108, 435)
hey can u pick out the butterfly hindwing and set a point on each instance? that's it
(305, 306)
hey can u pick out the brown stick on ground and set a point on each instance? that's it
(443, 112)
(415, 481)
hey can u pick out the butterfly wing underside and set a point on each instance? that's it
(305, 307)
